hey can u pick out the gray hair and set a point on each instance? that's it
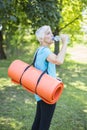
(41, 32)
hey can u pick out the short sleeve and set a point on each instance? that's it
(46, 52)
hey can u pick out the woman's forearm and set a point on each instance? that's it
(61, 54)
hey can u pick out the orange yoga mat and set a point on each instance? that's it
(48, 88)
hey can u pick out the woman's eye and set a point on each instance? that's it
(48, 33)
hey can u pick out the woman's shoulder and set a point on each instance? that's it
(44, 49)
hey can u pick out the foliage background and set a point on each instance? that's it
(20, 19)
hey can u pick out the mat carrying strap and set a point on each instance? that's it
(33, 63)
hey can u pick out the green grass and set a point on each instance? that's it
(17, 106)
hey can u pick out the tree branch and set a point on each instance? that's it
(69, 23)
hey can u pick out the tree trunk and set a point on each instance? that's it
(56, 45)
(2, 53)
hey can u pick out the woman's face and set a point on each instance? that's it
(48, 37)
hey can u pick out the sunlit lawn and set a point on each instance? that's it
(17, 106)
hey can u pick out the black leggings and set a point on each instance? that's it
(43, 116)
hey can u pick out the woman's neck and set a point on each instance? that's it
(45, 45)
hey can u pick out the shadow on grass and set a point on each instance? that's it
(71, 112)
(16, 108)
(73, 72)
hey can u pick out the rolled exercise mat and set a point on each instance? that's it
(47, 87)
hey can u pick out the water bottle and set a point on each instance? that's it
(0, 27)
(56, 38)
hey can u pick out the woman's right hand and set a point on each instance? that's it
(64, 38)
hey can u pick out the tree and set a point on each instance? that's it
(44, 13)
(12, 17)
(61, 15)
(2, 54)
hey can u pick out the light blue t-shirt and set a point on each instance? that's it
(42, 64)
